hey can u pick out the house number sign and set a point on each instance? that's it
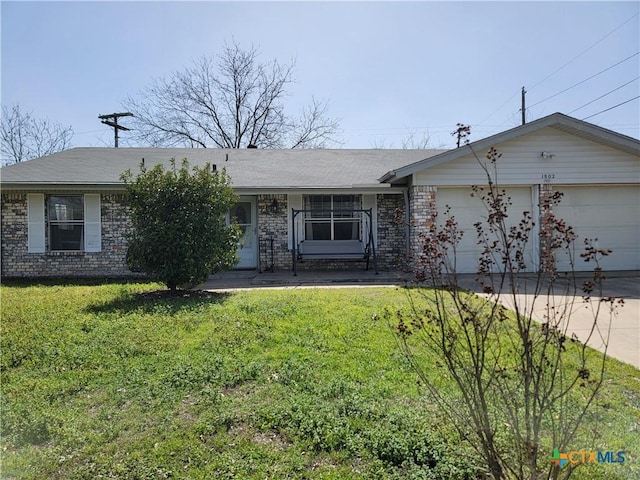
(547, 177)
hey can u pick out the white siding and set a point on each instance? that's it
(575, 161)
(35, 223)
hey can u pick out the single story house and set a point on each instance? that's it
(62, 215)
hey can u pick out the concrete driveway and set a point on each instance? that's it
(623, 329)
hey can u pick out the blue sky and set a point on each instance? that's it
(387, 69)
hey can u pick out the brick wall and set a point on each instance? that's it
(110, 262)
(17, 262)
(392, 232)
(547, 200)
(422, 204)
(272, 227)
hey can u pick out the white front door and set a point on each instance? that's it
(244, 213)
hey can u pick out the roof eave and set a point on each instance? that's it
(388, 177)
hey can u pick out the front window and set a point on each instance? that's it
(66, 222)
(332, 217)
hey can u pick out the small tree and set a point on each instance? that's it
(179, 233)
(522, 383)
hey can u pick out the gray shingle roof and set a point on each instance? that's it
(248, 168)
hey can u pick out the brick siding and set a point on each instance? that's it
(422, 205)
(18, 262)
(392, 232)
(111, 261)
(272, 227)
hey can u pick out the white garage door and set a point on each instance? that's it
(610, 214)
(468, 210)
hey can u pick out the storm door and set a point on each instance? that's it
(244, 213)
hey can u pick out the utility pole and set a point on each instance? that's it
(523, 109)
(112, 121)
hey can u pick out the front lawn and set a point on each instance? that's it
(107, 381)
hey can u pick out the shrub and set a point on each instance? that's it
(179, 234)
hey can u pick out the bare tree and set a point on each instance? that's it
(24, 137)
(232, 101)
(413, 141)
(522, 384)
(417, 141)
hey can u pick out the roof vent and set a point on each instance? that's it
(251, 145)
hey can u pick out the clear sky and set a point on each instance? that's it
(388, 69)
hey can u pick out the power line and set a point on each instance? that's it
(561, 68)
(499, 108)
(585, 51)
(586, 79)
(611, 108)
(602, 96)
(89, 131)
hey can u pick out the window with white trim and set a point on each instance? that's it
(66, 222)
(72, 223)
(332, 217)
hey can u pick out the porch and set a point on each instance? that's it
(333, 234)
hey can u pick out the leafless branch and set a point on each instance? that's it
(230, 101)
(523, 383)
(24, 137)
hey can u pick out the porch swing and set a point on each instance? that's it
(306, 247)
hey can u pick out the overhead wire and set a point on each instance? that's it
(549, 76)
(602, 96)
(585, 80)
(584, 51)
(611, 108)
(562, 67)
(499, 108)
(91, 131)
(541, 81)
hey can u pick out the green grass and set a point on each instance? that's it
(104, 381)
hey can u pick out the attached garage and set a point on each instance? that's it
(610, 216)
(598, 171)
(468, 210)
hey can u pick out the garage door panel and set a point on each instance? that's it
(592, 196)
(604, 217)
(468, 210)
(609, 214)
